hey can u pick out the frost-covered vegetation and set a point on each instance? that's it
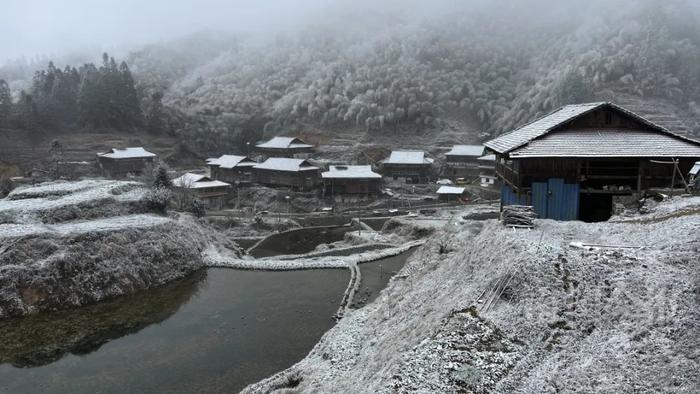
(67, 244)
(474, 67)
(568, 319)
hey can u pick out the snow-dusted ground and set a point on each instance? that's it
(90, 226)
(66, 244)
(569, 320)
(27, 201)
(215, 258)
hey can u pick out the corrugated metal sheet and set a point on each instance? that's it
(555, 199)
(608, 143)
(539, 198)
(509, 197)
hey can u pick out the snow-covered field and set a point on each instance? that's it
(26, 202)
(90, 226)
(570, 319)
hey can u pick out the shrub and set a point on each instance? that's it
(157, 199)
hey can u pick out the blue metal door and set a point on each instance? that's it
(539, 198)
(555, 199)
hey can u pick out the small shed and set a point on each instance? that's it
(289, 147)
(212, 192)
(232, 169)
(294, 173)
(344, 179)
(451, 193)
(118, 162)
(462, 161)
(412, 165)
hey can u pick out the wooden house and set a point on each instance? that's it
(571, 163)
(414, 166)
(462, 161)
(293, 173)
(290, 147)
(452, 193)
(342, 179)
(210, 191)
(232, 169)
(118, 162)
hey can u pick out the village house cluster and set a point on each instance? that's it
(575, 163)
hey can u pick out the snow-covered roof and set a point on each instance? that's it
(696, 168)
(607, 143)
(544, 125)
(197, 181)
(350, 172)
(127, 153)
(285, 164)
(284, 143)
(488, 158)
(450, 190)
(466, 150)
(407, 157)
(231, 161)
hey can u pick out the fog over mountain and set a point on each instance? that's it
(231, 72)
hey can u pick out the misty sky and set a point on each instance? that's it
(48, 27)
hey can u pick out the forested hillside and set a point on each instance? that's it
(475, 67)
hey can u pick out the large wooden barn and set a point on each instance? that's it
(118, 162)
(412, 165)
(232, 169)
(572, 163)
(293, 173)
(345, 179)
(290, 147)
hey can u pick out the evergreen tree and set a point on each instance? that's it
(128, 98)
(25, 114)
(5, 104)
(155, 115)
(162, 178)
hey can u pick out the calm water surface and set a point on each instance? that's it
(211, 333)
(218, 330)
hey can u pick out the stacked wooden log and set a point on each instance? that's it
(518, 216)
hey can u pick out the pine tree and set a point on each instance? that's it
(162, 179)
(155, 116)
(128, 99)
(5, 104)
(25, 114)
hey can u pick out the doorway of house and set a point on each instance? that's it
(595, 207)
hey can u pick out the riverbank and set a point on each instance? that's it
(561, 318)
